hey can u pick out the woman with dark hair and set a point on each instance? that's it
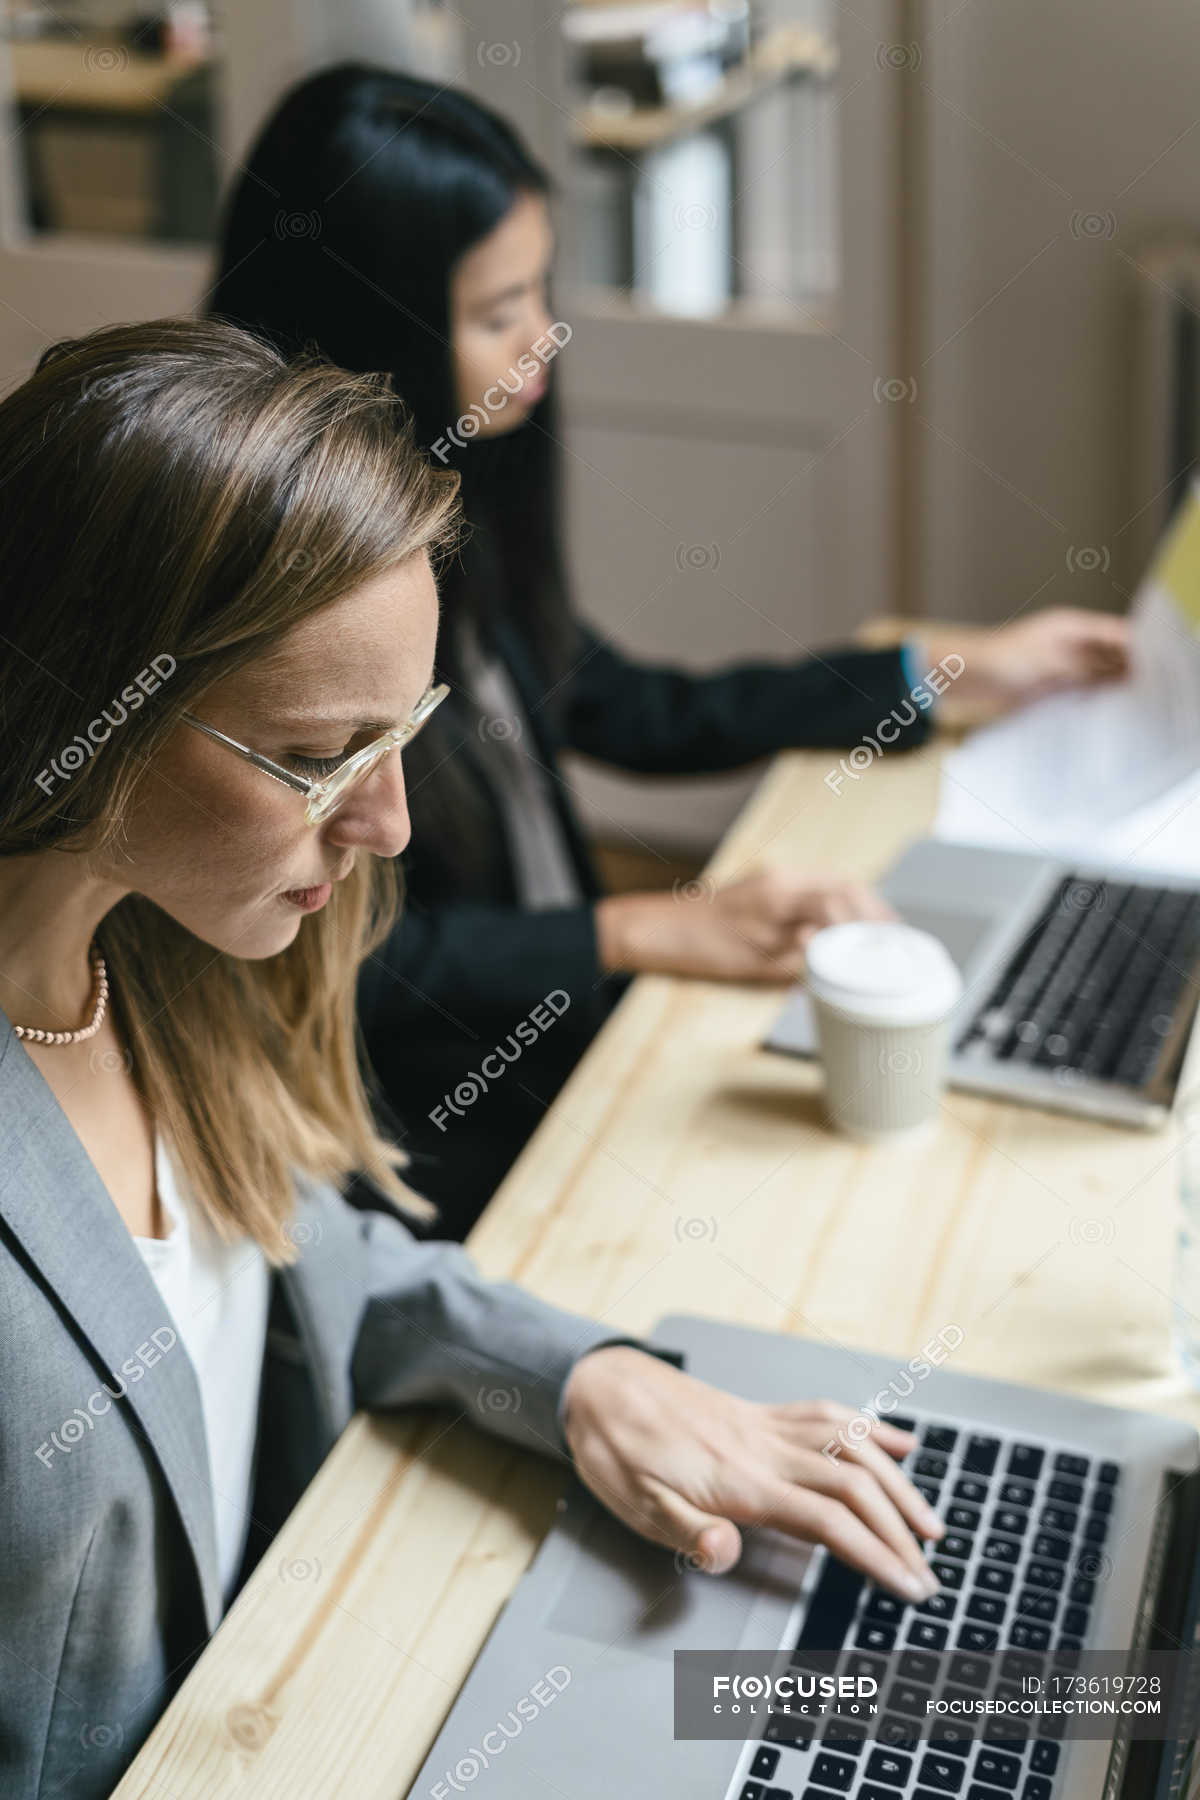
(403, 227)
(219, 618)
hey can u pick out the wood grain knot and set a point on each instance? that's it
(250, 1726)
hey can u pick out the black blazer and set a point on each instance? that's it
(467, 964)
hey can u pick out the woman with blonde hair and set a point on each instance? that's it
(219, 623)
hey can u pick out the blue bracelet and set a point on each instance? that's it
(912, 662)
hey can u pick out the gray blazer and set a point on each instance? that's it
(108, 1571)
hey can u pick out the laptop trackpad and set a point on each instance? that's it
(618, 1589)
(961, 931)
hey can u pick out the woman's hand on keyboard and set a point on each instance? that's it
(752, 929)
(690, 1466)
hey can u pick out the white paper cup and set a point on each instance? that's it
(883, 995)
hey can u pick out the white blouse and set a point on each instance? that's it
(217, 1295)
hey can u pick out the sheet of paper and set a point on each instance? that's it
(1100, 770)
(1165, 835)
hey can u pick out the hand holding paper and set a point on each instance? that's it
(1063, 647)
(1064, 775)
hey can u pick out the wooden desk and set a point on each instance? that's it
(681, 1169)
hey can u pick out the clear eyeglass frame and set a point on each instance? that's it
(324, 796)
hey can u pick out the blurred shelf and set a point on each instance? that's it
(97, 77)
(790, 51)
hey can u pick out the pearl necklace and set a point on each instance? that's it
(86, 1031)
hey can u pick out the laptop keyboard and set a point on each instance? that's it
(1096, 983)
(1027, 1526)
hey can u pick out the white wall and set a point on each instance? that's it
(1057, 141)
(270, 44)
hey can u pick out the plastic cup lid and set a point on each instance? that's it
(883, 973)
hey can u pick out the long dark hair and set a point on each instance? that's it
(362, 192)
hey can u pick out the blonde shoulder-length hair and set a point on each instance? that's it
(178, 491)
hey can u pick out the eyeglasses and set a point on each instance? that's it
(325, 796)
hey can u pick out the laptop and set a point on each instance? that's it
(1080, 980)
(1069, 1523)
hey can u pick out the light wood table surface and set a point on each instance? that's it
(681, 1169)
